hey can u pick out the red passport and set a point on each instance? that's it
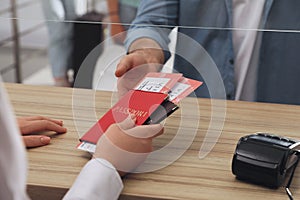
(140, 103)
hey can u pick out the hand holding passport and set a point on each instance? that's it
(153, 99)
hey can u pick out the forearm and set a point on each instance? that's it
(154, 21)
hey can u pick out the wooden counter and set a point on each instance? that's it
(53, 168)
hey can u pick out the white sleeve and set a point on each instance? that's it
(97, 180)
(13, 162)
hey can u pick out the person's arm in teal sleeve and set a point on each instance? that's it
(147, 40)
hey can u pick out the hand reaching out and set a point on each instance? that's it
(34, 124)
(145, 56)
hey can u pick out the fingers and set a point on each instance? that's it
(33, 118)
(43, 125)
(36, 140)
(143, 131)
(146, 131)
(128, 123)
(124, 65)
(35, 124)
(128, 62)
(160, 132)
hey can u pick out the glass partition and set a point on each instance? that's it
(254, 47)
(240, 50)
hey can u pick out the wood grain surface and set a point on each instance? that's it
(53, 168)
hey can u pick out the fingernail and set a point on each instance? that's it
(45, 140)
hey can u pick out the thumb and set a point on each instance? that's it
(36, 140)
(124, 65)
(128, 123)
(146, 131)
